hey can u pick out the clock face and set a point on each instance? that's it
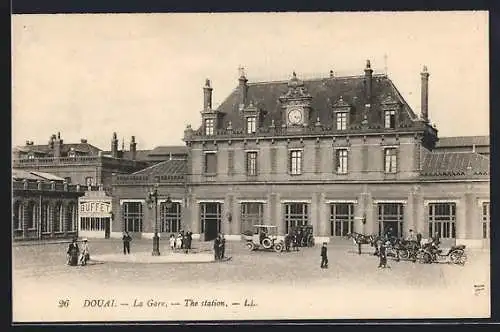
(295, 116)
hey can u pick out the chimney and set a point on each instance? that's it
(58, 146)
(133, 147)
(114, 146)
(207, 95)
(424, 102)
(331, 74)
(51, 141)
(83, 140)
(368, 81)
(243, 87)
(28, 143)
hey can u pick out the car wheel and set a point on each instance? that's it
(267, 243)
(458, 257)
(404, 254)
(250, 246)
(278, 247)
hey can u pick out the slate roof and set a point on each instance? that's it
(459, 141)
(454, 164)
(19, 174)
(166, 150)
(167, 167)
(324, 92)
(152, 155)
(85, 148)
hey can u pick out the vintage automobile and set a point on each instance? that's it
(264, 237)
(304, 235)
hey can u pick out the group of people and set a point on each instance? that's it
(295, 239)
(182, 241)
(389, 240)
(219, 247)
(75, 256)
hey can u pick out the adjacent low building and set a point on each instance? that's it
(44, 206)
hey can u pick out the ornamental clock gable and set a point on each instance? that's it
(296, 104)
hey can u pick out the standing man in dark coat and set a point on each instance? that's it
(73, 252)
(222, 246)
(216, 247)
(324, 256)
(383, 254)
(126, 243)
(189, 239)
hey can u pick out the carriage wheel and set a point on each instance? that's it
(458, 257)
(278, 247)
(250, 246)
(404, 253)
(423, 257)
(267, 243)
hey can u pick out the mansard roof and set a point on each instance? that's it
(325, 92)
(19, 174)
(47, 151)
(462, 141)
(454, 164)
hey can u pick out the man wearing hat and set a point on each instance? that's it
(324, 256)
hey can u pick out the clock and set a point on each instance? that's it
(295, 116)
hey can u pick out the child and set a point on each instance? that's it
(178, 241)
(324, 256)
(85, 255)
(172, 242)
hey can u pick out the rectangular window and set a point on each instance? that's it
(341, 219)
(18, 216)
(170, 219)
(341, 160)
(390, 160)
(295, 162)
(390, 119)
(251, 214)
(132, 216)
(251, 124)
(442, 219)
(58, 216)
(71, 216)
(89, 181)
(486, 220)
(209, 126)
(230, 162)
(390, 218)
(93, 224)
(210, 217)
(296, 214)
(210, 163)
(342, 121)
(252, 163)
(46, 217)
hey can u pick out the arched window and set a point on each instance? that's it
(46, 217)
(58, 217)
(71, 217)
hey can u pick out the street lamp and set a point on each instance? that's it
(153, 201)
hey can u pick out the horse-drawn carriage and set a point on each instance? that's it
(303, 235)
(264, 237)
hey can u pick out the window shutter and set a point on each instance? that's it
(317, 164)
(334, 160)
(384, 169)
(289, 160)
(273, 160)
(301, 162)
(230, 162)
(257, 163)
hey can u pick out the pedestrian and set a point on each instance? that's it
(85, 255)
(324, 256)
(411, 236)
(178, 241)
(359, 247)
(222, 246)
(216, 247)
(126, 243)
(185, 242)
(419, 240)
(189, 239)
(383, 254)
(172, 242)
(287, 242)
(72, 253)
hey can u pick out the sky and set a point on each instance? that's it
(89, 75)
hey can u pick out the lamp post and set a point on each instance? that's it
(153, 201)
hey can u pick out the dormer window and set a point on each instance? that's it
(251, 124)
(390, 119)
(72, 154)
(209, 126)
(342, 118)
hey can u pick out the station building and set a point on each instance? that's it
(342, 154)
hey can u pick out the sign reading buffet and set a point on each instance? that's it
(95, 207)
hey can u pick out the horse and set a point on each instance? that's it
(360, 239)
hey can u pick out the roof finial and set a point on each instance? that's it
(294, 74)
(241, 70)
(207, 83)
(424, 70)
(368, 65)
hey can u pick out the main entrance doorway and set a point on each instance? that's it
(390, 216)
(211, 218)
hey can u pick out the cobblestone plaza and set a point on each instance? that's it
(292, 282)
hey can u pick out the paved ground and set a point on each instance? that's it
(285, 285)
